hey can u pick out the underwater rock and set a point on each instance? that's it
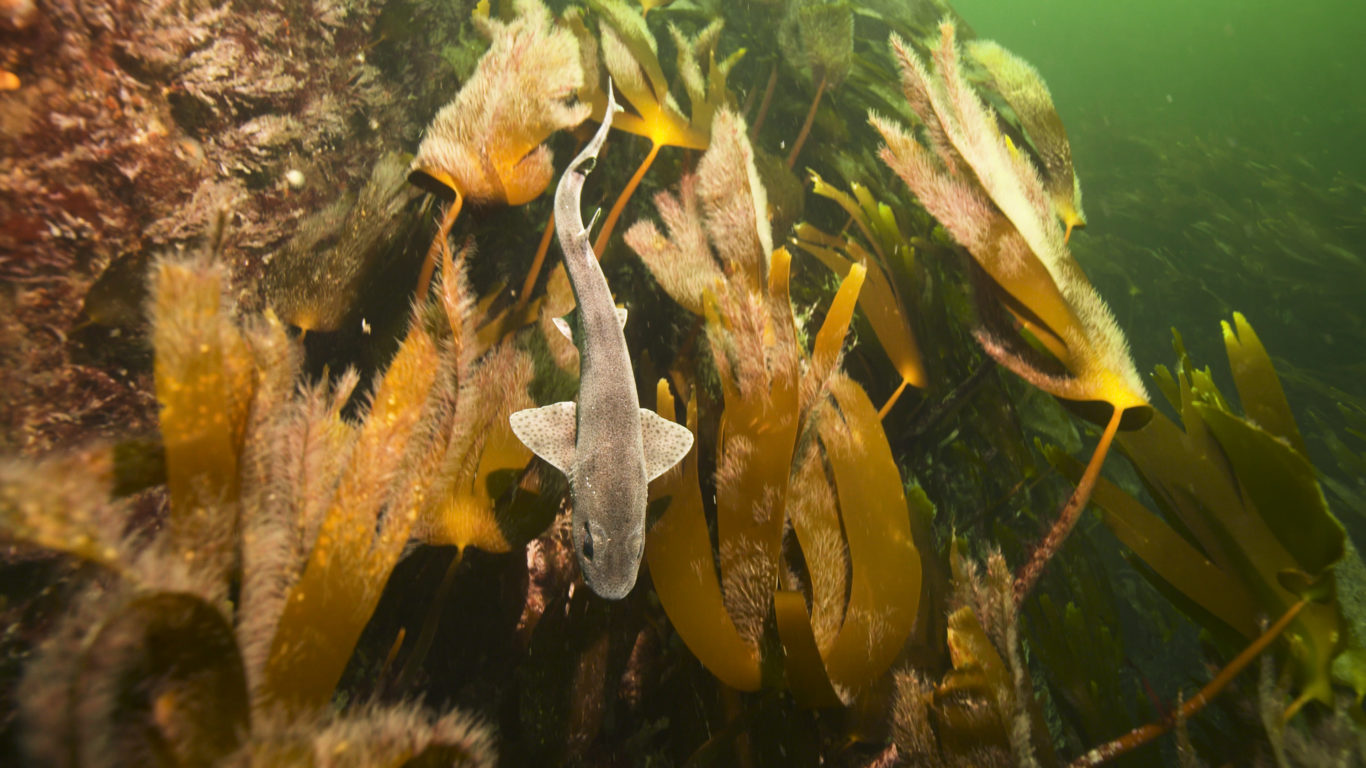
(137, 124)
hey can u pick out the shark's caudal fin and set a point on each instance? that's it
(550, 432)
(564, 327)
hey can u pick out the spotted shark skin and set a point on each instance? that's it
(608, 446)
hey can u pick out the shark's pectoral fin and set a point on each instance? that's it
(549, 432)
(665, 442)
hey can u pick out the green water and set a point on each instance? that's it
(1283, 76)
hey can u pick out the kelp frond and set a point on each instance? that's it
(486, 144)
(1023, 88)
(717, 223)
(631, 56)
(798, 444)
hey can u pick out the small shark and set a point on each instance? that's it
(608, 446)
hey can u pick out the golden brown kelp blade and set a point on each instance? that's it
(1023, 88)
(881, 298)
(1001, 213)
(982, 711)
(718, 259)
(485, 146)
(464, 510)
(649, 5)
(357, 544)
(161, 683)
(691, 593)
(62, 504)
(716, 223)
(204, 383)
(885, 585)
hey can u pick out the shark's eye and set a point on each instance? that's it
(587, 542)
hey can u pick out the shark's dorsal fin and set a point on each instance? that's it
(568, 332)
(665, 442)
(549, 432)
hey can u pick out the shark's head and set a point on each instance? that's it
(609, 537)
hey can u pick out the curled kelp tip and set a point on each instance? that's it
(1024, 89)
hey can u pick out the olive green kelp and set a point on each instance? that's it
(1244, 531)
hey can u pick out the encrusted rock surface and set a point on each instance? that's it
(135, 123)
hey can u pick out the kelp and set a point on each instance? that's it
(280, 502)
(823, 42)
(785, 419)
(993, 201)
(486, 145)
(204, 383)
(1244, 530)
(314, 282)
(883, 298)
(631, 56)
(982, 710)
(1024, 91)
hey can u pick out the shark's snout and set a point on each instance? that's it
(609, 563)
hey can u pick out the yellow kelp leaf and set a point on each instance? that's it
(1001, 213)
(805, 672)
(341, 583)
(204, 375)
(61, 503)
(971, 651)
(1023, 88)
(885, 591)
(465, 512)
(877, 299)
(759, 426)
(486, 144)
(632, 57)
(1259, 389)
(316, 279)
(814, 514)
(830, 338)
(679, 552)
(160, 683)
(1169, 554)
(649, 5)
(815, 520)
